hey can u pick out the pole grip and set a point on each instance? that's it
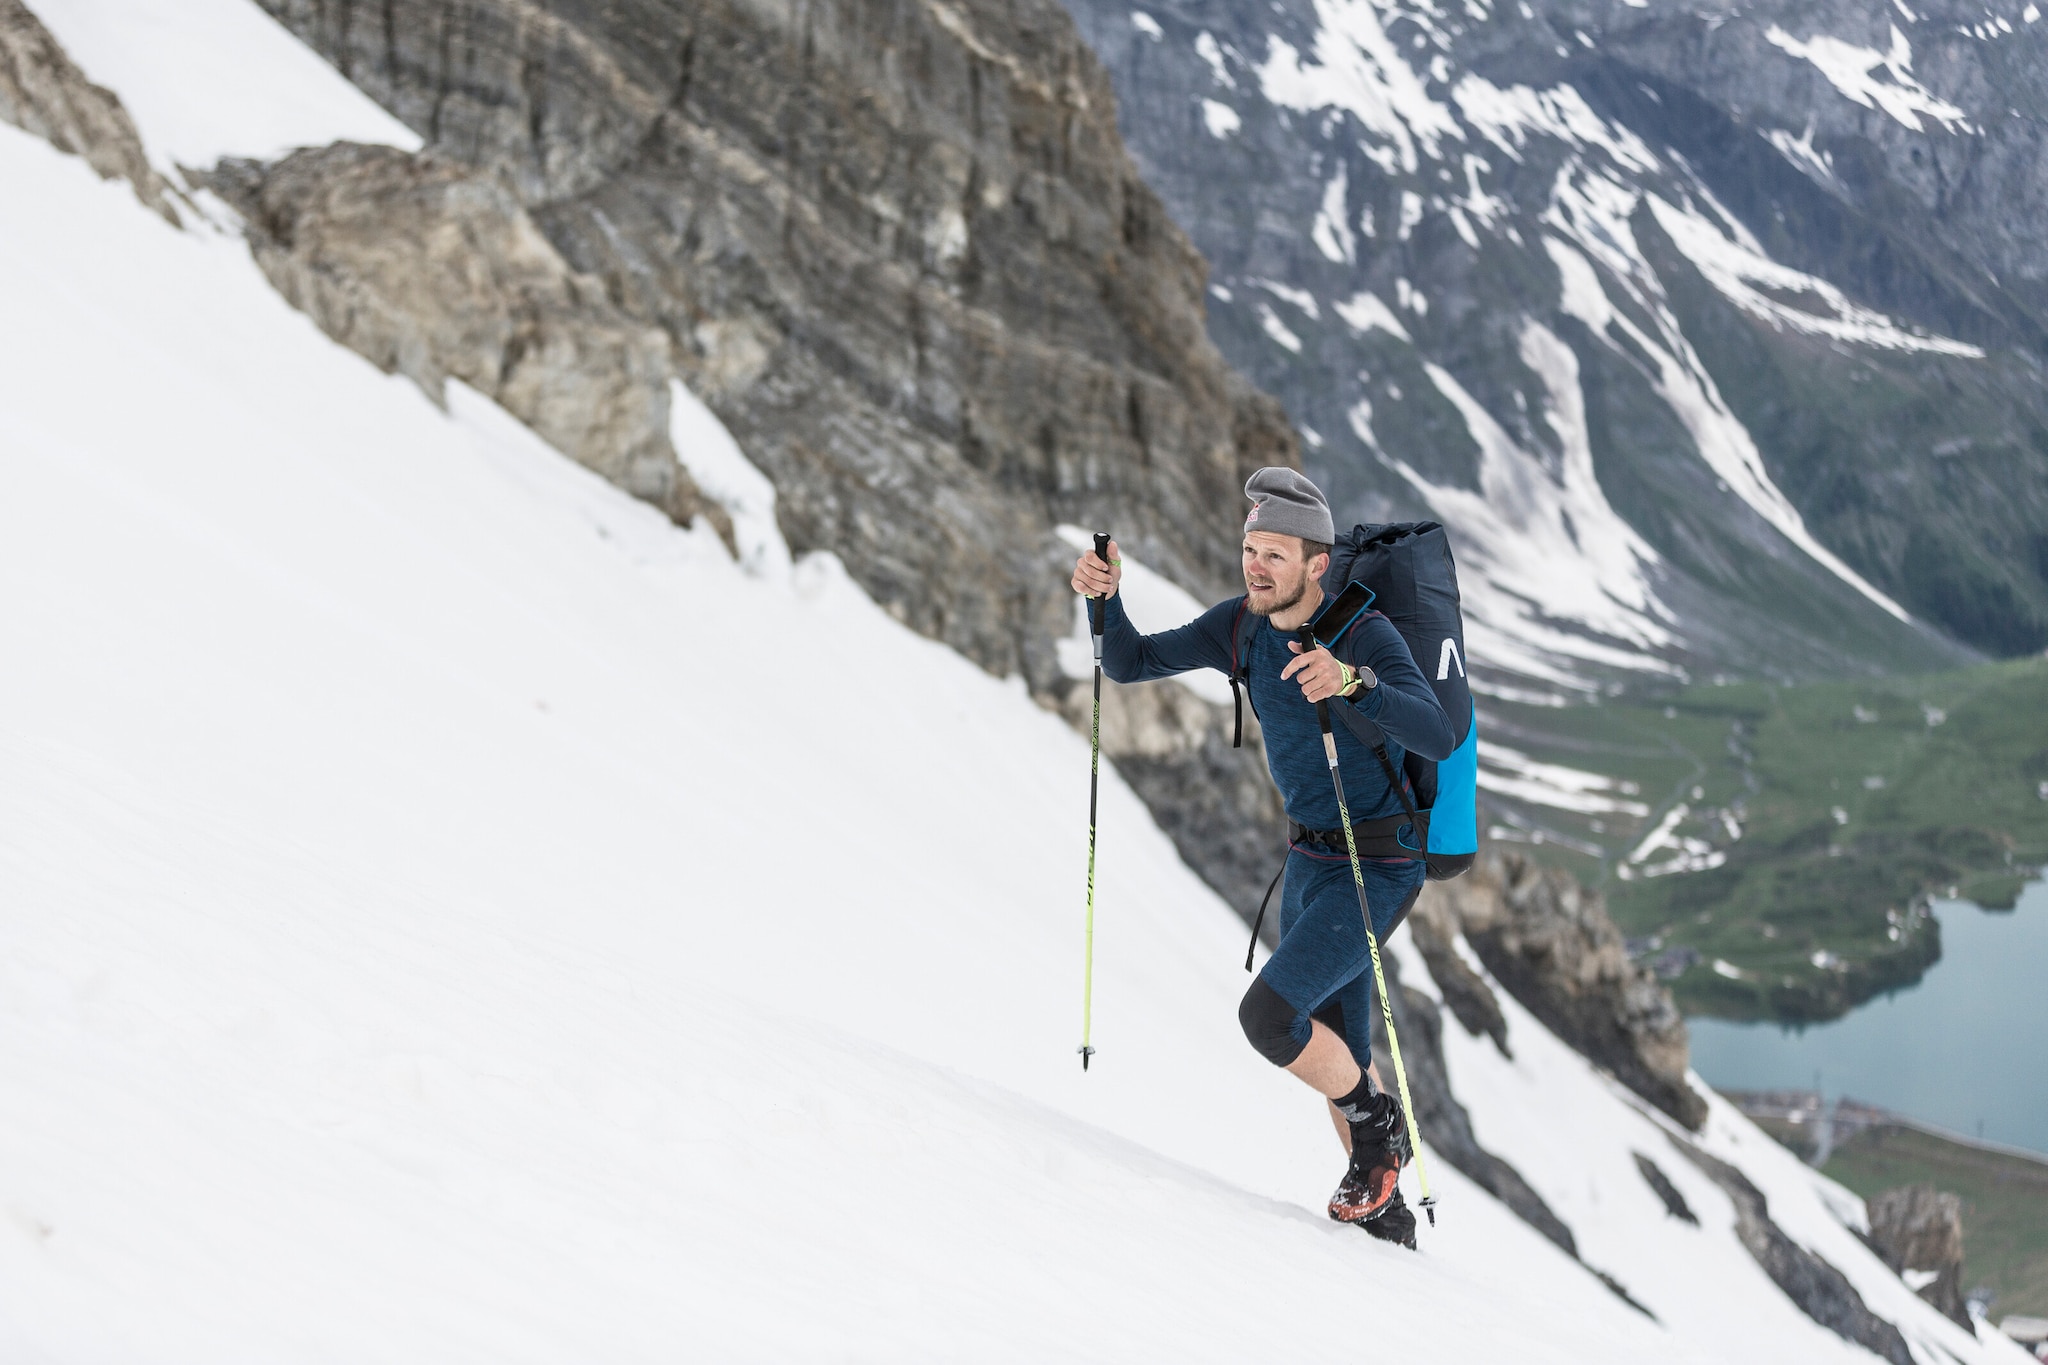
(1095, 607)
(1308, 643)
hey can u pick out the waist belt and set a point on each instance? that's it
(1375, 838)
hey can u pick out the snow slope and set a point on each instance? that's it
(435, 933)
(1585, 1170)
(448, 917)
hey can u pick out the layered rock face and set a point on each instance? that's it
(42, 91)
(896, 246)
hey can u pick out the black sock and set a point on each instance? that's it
(1356, 1107)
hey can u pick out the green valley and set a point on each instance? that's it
(1770, 847)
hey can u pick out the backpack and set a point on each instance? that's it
(1405, 570)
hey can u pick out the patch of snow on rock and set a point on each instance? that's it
(1512, 773)
(1508, 118)
(1220, 119)
(1278, 330)
(1364, 311)
(1743, 275)
(1331, 232)
(1355, 67)
(1207, 48)
(1852, 70)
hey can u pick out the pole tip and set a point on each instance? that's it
(1429, 1207)
(1086, 1052)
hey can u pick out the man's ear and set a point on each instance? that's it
(1319, 566)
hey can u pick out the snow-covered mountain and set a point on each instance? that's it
(447, 919)
(1716, 333)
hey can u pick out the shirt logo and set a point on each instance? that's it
(1448, 657)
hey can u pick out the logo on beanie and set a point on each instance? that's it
(1253, 515)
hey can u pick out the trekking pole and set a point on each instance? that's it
(1095, 611)
(1372, 941)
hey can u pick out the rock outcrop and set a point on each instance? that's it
(1547, 940)
(42, 91)
(435, 271)
(1434, 929)
(1917, 1228)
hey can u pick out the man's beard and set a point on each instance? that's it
(1281, 604)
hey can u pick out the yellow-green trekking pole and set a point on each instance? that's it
(1095, 622)
(1372, 939)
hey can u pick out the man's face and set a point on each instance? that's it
(1276, 574)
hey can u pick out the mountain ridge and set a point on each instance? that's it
(1394, 193)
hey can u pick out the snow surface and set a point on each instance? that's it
(436, 931)
(415, 951)
(205, 79)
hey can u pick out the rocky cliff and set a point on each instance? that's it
(899, 249)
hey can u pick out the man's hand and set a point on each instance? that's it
(1093, 578)
(1320, 675)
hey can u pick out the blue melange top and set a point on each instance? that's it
(1403, 703)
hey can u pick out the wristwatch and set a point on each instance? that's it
(1357, 679)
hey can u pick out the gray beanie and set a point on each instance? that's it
(1285, 503)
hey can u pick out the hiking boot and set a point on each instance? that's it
(1396, 1223)
(1379, 1149)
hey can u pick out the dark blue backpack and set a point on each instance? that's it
(1405, 571)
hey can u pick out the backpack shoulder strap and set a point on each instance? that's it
(1242, 627)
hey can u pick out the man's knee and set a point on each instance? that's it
(1269, 1022)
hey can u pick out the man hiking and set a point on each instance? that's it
(1310, 1008)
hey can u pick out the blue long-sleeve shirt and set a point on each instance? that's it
(1403, 703)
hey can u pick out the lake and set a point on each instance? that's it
(1963, 1049)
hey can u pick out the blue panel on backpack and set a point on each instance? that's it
(1454, 820)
